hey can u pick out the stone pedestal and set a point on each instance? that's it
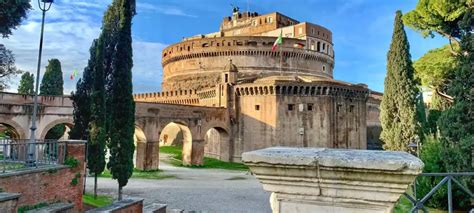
(333, 180)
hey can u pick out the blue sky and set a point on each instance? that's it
(361, 29)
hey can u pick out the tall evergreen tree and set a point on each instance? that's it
(122, 106)
(398, 107)
(52, 82)
(26, 84)
(97, 140)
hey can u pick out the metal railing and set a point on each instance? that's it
(14, 153)
(448, 178)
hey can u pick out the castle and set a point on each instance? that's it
(286, 97)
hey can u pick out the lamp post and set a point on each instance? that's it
(44, 6)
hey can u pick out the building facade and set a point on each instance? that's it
(286, 97)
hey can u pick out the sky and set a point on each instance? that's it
(362, 31)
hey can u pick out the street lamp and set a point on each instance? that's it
(44, 6)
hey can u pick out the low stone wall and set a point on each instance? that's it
(55, 183)
(333, 180)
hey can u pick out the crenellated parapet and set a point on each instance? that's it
(302, 89)
(185, 97)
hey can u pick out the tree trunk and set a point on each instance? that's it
(120, 193)
(95, 185)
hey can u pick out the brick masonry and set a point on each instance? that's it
(50, 184)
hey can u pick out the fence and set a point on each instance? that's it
(21, 153)
(448, 178)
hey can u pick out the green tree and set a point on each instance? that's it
(81, 101)
(97, 140)
(7, 66)
(52, 82)
(398, 107)
(440, 16)
(27, 84)
(11, 14)
(122, 107)
(456, 124)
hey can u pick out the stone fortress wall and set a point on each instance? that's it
(271, 98)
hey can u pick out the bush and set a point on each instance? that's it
(435, 156)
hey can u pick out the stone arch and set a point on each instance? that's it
(217, 144)
(69, 122)
(18, 130)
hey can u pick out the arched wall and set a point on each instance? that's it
(218, 144)
(17, 127)
(44, 130)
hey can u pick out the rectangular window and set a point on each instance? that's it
(257, 107)
(351, 108)
(291, 107)
(310, 107)
(226, 78)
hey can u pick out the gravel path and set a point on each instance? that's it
(207, 190)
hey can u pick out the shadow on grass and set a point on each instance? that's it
(209, 163)
(138, 174)
(102, 200)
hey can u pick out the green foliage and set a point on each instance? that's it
(122, 110)
(100, 201)
(11, 14)
(97, 139)
(435, 67)
(440, 16)
(27, 84)
(138, 174)
(52, 82)
(71, 162)
(438, 102)
(82, 100)
(209, 163)
(398, 107)
(24, 209)
(7, 65)
(433, 117)
(56, 132)
(75, 179)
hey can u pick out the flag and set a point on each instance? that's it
(278, 42)
(74, 74)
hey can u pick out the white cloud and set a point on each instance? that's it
(70, 29)
(167, 10)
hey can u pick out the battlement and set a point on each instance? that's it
(184, 97)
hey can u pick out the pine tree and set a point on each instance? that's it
(122, 106)
(27, 84)
(398, 107)
(52, 82)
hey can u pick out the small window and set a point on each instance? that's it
(310, 107)
(257, 107)
(254, 22)
(270, 19)
(324, 68)
(226, 76)
(351, 108)
(324, 46)
(291, 107)
(339, 107)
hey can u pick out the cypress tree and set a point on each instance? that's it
(52, 82)
(122, 106)
(398, 107)
(26, 84)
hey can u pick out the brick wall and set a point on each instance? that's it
(50, 184)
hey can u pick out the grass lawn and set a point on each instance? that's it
(156, 174)
(209, 163)
(102, 200)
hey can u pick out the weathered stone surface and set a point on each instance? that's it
(127, 205)
(9, 202)
(333, 180)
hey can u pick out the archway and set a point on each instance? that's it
(57, 130)
(217, 144)
(175, 134)
(139, 139)
(178, 134)
(9, 132)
